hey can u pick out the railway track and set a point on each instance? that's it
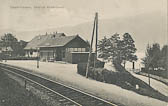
(68, 96)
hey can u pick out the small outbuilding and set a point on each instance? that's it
(6, 50)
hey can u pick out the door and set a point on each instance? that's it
(58, 54)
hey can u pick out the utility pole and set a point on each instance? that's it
(90, 51)
(6, 38)
(148, 62)
(37, 57)
(95, 57)
(133, 65)
(148, 77)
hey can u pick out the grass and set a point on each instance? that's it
(12, 94)
(123, 79)
(144, 89)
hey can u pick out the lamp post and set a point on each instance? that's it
(6, 54)
(6, 40)
(37, 57)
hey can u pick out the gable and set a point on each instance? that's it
(78, 42)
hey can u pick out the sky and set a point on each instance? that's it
(30, 15)
(34, 15)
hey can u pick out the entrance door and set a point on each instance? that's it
(59, 54)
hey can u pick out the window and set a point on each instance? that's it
(83, 49)
(70, 49)
(75, 49)
(79, 49)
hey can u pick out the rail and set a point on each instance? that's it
(71, 94)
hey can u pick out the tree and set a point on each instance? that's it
(9, 40)
(20, 48)
(152, 57)
(103, 48)
(117, 50)
(147, 57)
(164, 57)
(128, 49)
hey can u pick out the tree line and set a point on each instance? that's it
(9, 40)
(121, 48)
(156, 58)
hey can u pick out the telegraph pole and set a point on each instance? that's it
(90, 51)
(95, 59)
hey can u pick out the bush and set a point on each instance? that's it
(96, 73)
(101, 74)
(121, 78)
(81, 67)
(99, 64)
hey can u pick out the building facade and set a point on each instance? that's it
(59, 47)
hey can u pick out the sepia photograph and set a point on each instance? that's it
(83, 53)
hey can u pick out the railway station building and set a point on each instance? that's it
(58, 47)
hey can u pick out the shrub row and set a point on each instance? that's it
(99, 64)
(161, 73)
(102, 74)
(82, 67)
(121, 78)
(20, 58)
